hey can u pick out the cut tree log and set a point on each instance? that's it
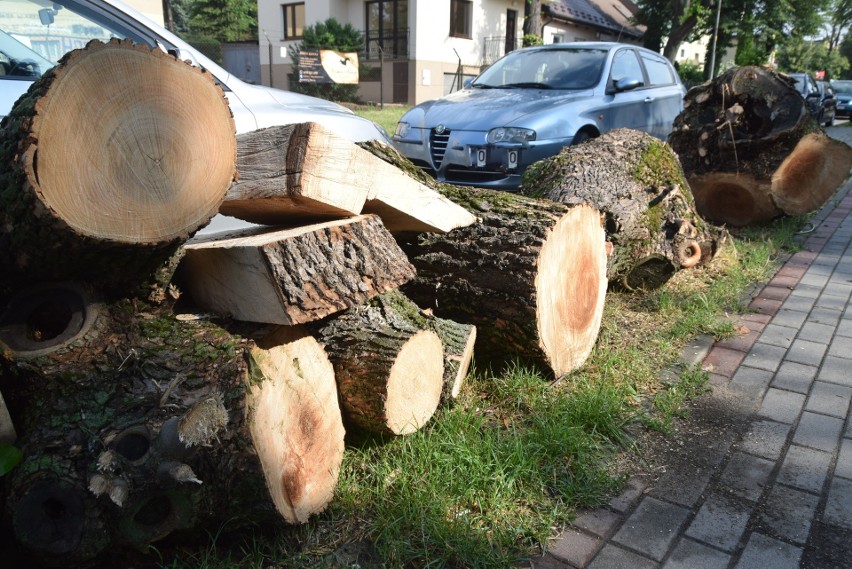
(752, 152)
(305, 172)
(293, 276)
(531, 275)
(636, 181)
(389, 365)
(152, 424)
(110, 161)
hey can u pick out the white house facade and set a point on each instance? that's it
(418, 50)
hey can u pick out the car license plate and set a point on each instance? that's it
(481, 156)
(512, 159)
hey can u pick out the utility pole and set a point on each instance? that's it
(715, 37)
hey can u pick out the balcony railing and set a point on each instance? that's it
(496, 47)
(392, 45)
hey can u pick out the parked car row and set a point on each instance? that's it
(818, 95)
(843, 95)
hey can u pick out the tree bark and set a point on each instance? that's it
(650, 217)
(390, 371)
(306, 172)
(110, 161)
(150, 424)
(294, 276)
(747, 142)
(531, 275)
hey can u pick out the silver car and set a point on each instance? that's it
(34, 34)
(532, 103)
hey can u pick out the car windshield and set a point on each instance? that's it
(545, 69)
(35, 34)
(844, 87)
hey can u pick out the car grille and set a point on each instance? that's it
(438, 146)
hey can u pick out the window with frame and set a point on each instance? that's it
(294, 20)
(461, 18)
(387, 28)
(659, 72)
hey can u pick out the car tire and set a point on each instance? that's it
(581, 137)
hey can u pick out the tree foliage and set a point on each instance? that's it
(801, 56)
(224, 20)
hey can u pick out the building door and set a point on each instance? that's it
(511, 27)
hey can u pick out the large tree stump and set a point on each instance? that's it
(636, 181)
(531, 275)
(751, 151)
(149, 424)
(388, 363)
(293, 276)
(109, 162)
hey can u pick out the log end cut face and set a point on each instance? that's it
(414, 383)
(296, 425)
(571, 286)
(148, 138)
(733, 199)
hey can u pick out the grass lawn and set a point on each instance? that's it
(387, 117)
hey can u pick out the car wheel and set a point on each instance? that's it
(581, 137)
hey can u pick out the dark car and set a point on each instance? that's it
(828, 103)
(807, 87)
(535, 101)
(843, 97)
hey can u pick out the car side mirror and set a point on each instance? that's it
(627, 84)
(467, 82)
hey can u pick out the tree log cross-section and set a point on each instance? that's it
(294, 276)
(109, 162)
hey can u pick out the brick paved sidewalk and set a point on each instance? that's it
(777, 490)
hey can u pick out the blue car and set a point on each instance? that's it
(532, 103)
(843, 95)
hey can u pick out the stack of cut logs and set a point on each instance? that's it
(142, 411)
(163, 381)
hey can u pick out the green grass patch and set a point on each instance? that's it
(386, 117)
(490, 479)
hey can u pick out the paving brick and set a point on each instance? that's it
(774, 292)
(843, 468)
(652, 527)
(832, 301)
(765, 306)
(741, 342)
(805, 468)
(799, 302)
(546, 561)
(764, 356)
(614, 557)
(793, 376)
(599, 522)
(634, 489)
(814, 279)
(781, 406)
(791, 318)
(688, 554)
(783, 281)
(845, 326)
(778, 335)
(825, 316)
(829, 399)
(765, 439)
(807, 291)
(806, 352)
(762, 552)
(791, 271)
(818, 431)
(720, 522)
(575, 547)
(829, 547)
(697, 350)
(746, 475)
(722, 361)
(750, 381)
(804, 258)
(841, 347)
(789, 513)
(683, 486)
(836, 370)
(838, 508)
(755, 321)
(816, 332)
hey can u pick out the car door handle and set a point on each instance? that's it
(649, 99)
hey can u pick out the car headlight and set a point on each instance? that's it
(510, 134)
(402, 129)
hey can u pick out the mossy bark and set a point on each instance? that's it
(137, 429)
(636, 181)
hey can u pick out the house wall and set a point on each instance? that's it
(153, 9)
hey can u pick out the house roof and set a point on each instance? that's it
(609, 15)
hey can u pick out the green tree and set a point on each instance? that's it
(327, 35)
(224, 20)
(801, 56)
